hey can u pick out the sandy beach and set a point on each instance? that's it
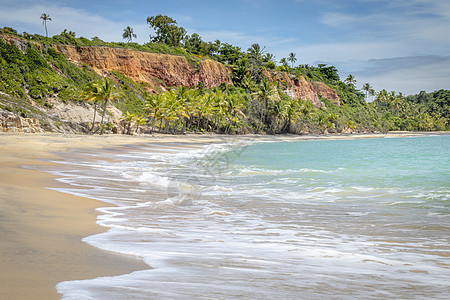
(41, 229)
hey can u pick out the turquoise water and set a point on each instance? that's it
(333, 219)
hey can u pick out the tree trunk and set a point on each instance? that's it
(95, 113)
(103, 115)
(153, 124)
(129, 128)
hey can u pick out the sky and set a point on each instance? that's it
(397, 45)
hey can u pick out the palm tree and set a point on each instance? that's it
(140, 120)
(265, 92)
(292, 58)
(128, 34)
(269, 57)
(350, 80)
(372, 92)
(128, 118)
(256, 52)
(153, 106)
(283, 62)
(104, 91)
(45, 18)
(366, 87)
(91, 93)
(292, 111)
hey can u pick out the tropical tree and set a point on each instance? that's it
(229, 54)
(292, 112)
(256, 52)
(167, 32)
(367, 87)
(234, 107)
(99, 91)
(128, 34)
(265, 93)
(194, 43)
(269, 57)
(240, 71)
(128, 118)
(292, 58)
(139, 120)
(91, 93)
(45, 18)
(372, 92)
(350, 80)
(278, 113)
(154, 104)
(284, 63)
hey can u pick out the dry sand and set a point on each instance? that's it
(41, 229)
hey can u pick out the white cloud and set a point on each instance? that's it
(423, 25)
(416, 29)
(83, 23)
(408, 75)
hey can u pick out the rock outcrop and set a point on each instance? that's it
(150, 67)
(70, 112)
(10, 122)
(327, 92)
(302, 88)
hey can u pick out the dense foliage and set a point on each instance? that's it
(40, 72)
(252, 104)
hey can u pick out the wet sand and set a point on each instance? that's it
(41, 229)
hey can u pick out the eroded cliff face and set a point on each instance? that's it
(301, 88)
(162, 70)
(327, 92)
(151, 68)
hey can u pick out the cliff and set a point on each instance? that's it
(45, 97)
(150, 68)
(162, 70)
(302, 88)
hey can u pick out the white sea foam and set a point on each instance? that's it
(211, 225)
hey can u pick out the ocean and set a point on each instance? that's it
(314, 219)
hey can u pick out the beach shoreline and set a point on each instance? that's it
(41, 229)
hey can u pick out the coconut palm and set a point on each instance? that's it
(372, 93)
(91, 94)
(139, 120)
(265, 93)
(205, 109)
(283, 62)
(128, 118)
(292, 111)
(128, 34)
(256, 52)
(278, 113)
(366, 87)
(153, 106)
(292, 58)
(102, 90)
(45, 18)
(170, 111)
(350, 80)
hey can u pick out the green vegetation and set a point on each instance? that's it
(128, 34)
(45, 18)
(167, 32)
(253, 104)
(101, 91)
(39, 73)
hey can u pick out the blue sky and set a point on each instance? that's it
(397, 45)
